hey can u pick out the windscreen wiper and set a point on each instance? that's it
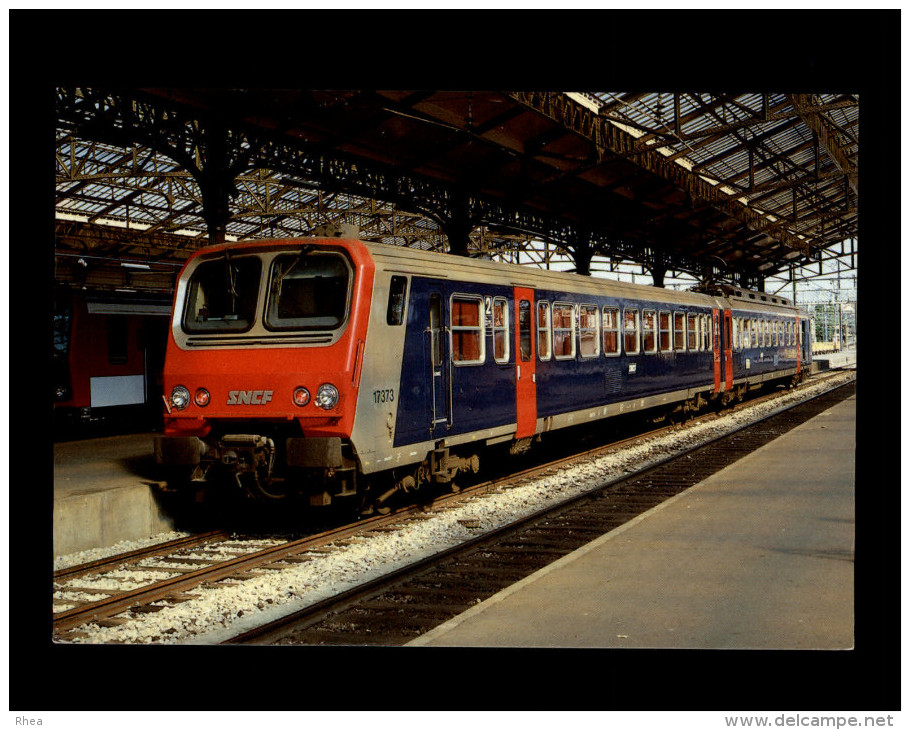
(305, 249)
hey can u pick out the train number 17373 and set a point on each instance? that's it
(386, 395)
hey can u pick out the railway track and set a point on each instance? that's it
(126, 588)
(398, 607)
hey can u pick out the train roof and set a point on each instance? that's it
(416, 261)
(483, 270)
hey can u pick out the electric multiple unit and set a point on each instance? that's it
(331, 369)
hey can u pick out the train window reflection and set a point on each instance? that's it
(649, 331)
(500, 330)
(630, 331)
(589, 336)
(467, 330)
(679, 331)
(543, 330)
(611, 331)
(564, 331)
(308, 291)
(222, 295)
(665, 332)
(524, 329)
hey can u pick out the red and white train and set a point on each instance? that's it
(332, 369)
(108, 355)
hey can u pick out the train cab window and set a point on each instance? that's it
(564, 331)
(467, 330)
(692, 331)
(543, 331)
(649, 331)
(524, 329)
(500, 330)
(679, 331)
(611, 331)
(398, 289)
(222, 295)
(664, 332)
(630, 340)
(588, 331)
(308, 291)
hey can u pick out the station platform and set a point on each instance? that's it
(759, 555)
(835, 360)
(104, 493)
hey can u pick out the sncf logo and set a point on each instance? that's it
(249, 397)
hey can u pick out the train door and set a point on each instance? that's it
(715, 347)
(728, 349)
(439, 373)
(525, 370)
(805, 341)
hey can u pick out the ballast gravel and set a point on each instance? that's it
(226, 609)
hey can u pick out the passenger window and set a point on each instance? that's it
(611, 331)
(500, 330)
(588, 331)
(692, 332)
(664, 319)
(564, 331)
(706, 331)
(630, 331)
(398, 289)
(524, 329)
(543, 330)
(649, 331)
(679, 331)
(467, 330)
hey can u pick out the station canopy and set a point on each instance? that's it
(737, 187)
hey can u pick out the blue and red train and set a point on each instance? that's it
(332, 369)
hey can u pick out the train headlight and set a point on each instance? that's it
(202, 397)
(327, 396)
(180, 397)
(301, 396)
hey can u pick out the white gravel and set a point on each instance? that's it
(227, 609)
(87, 556)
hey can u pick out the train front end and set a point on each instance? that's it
(263, 368)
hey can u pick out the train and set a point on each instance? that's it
(108, 357)
(340, 372)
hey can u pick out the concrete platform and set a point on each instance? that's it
(760, 555)
(835, 360)
(103, 493)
